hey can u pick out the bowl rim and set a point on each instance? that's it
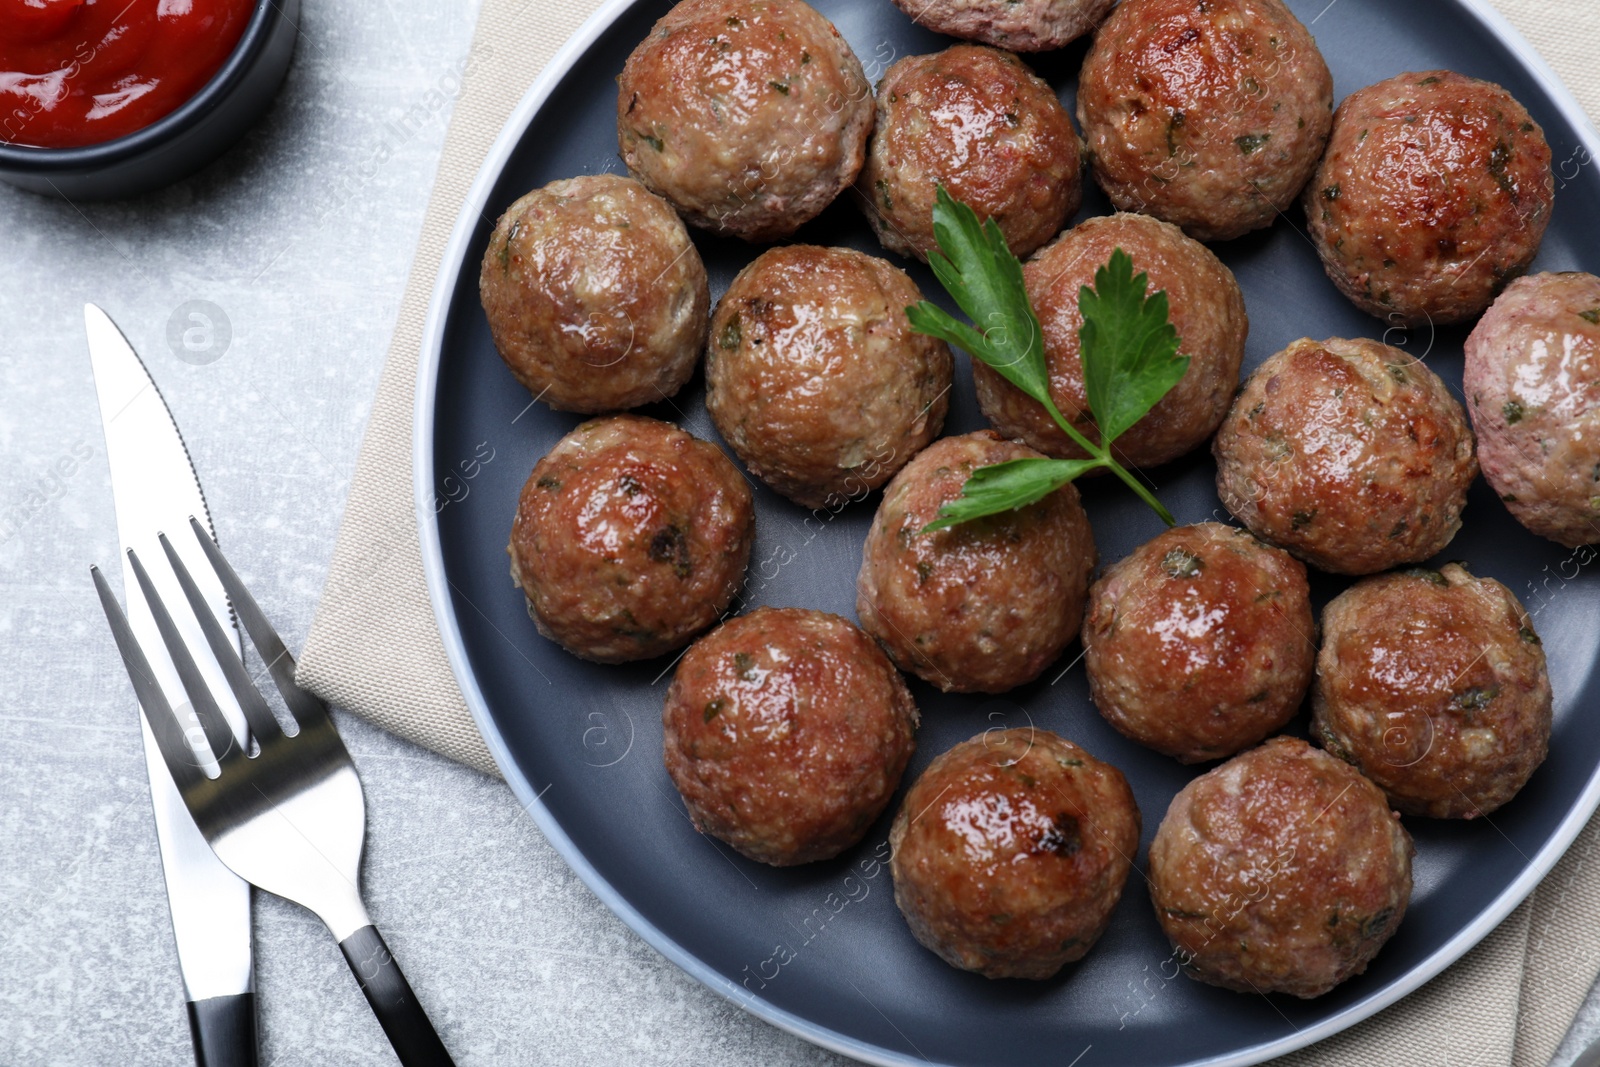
(168, 127)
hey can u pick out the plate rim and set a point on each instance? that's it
(429, 363)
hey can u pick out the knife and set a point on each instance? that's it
(156, 490)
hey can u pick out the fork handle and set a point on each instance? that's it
(224, 1030)
(392, 1000)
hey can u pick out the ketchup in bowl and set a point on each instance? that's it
(79, 72)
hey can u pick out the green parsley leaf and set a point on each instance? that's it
(1008, 486)
(1129, 346)
(977, 269)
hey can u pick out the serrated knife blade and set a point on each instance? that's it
(156, 490)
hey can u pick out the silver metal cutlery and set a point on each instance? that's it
(155, 488)
(285, 814)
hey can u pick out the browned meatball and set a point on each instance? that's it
(814, 376)
(631, 536)
(1533, 388)
(1010, 852)
(1281, 871)
(980, 123)
(786, 732)
(595, 296)
(1206, 308)
(1020, 25)
(979, 607)
(1435, 192)
(1433, 684)
(749, 115)
(1350, 454)
(1201, 642)
(1207, 113)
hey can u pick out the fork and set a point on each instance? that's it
(289, 820)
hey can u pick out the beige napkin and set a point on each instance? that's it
(374, 649)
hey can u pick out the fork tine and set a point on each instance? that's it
(256, 712)
(217, 730)
(306, 709)
(170, 739)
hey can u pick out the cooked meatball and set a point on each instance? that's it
(980, 123)
(815, 378)
(1435, 192)
(749, 115)
(1020, 25)
(1207, 113)
(631, 536)
(1281, 871)
(595, 296)
(979, 607)
(1201, 642)
(1350, 454)
(1533, 390)
(1010, 852)
(1206, 308)
(1433, 685)
(786, 731)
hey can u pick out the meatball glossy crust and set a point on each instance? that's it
(786, 732)
(595, 296)
(1018, 25)
(814, 376)
(1433, 685)
(1206, 308)
(1533, 389)
(1281, 871)
(1350, 454)
(979, 122)
(630, 537)
(1435, 191)
(980, 607)
(1010, 852)
(749, 115)
(1207, 113)
(1201, 642)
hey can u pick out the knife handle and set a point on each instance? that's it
(224, 1030)
(392, 1001)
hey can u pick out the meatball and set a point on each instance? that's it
(595, 296)
(1020, 25)
(1281, 871)
(1533, 389)
(631, 536)
(1433, 685)
(980, 607)
(1206, 308)
(1350, 454)
(749, 115)
(980, 123)
(1010, 852)
(815, 377)
(1201, 642)
(1210, 115)
(786, 731)
(1435, 192)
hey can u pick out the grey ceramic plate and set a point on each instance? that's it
(821, 950)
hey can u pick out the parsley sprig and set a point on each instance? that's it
(1128, 345)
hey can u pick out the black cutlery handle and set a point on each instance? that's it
(224, 1030)
(396, 1007)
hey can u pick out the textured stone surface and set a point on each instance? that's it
(302, 235)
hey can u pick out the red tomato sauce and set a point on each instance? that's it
(78, 72)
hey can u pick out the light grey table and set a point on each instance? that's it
(302, 237)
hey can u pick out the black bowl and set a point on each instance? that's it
(177, 144)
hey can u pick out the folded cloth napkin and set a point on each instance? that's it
(374, 650)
